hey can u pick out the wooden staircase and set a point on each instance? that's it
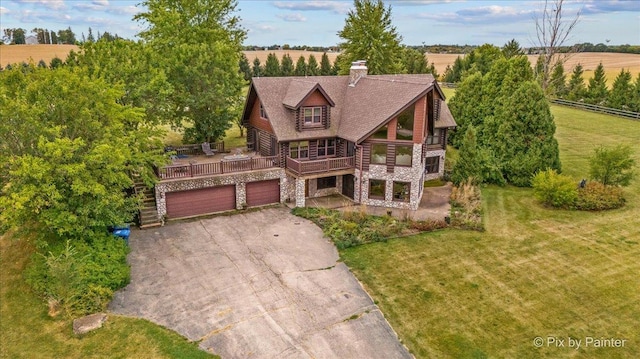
(149, 212)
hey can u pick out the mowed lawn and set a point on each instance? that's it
(535, 272)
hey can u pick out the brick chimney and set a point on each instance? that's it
(357, 71)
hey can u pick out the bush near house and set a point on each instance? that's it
(466, 206)
(354, 227)
(555, 190)
(79, 277)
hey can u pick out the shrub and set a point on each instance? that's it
(597, 197)
(554, 189)
(466, 206)
(427, 225)
(612, 166)
(79, 277)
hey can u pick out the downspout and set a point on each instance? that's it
(357, 146)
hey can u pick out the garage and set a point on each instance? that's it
(263, 192)
(200, 201)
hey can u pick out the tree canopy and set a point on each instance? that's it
(514, 125)
(369, 35)
(69, 148)
(200, 44)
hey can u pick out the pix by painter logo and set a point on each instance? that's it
(577, 343)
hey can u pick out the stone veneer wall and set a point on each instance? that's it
(441, 153)
(239, 179)
(413, 174)
(315, 192)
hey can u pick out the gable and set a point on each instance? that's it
(299, 92)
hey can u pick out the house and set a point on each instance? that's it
(372, 138)
(31, 40)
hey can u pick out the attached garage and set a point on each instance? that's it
(263, 192)
(200, 201)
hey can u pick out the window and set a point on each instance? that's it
(381, 133)
(299, 149)
(432, 164)
(379, 153)
(377, 189)
(326, 182)
(326, 148)
(263, 113)
(403, 155)
(312, 115)
(401, 191)
(435, 139)
(405, 124)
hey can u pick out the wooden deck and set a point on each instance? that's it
(319, 166)
(201, 165)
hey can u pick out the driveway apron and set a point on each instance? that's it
(263, 284)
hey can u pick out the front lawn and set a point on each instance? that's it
(534, 272)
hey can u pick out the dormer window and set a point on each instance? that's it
(263, 113)
(312, 116)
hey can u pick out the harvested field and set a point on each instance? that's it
(612, 62)
(10, 54)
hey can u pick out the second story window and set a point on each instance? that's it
(263, 113)
(312, 116)
(435, 139)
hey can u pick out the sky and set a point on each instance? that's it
(316, 23)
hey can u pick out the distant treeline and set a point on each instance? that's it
(20, 36)
(462, 49)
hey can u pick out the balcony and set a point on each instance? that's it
(320, 166)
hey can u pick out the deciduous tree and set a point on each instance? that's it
(200, 43)
(369, 35)
(612, 166)
(67, 163)
(553, 30)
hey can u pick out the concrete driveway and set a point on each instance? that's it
(264, 284)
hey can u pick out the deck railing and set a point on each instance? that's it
(216, 168)
(318, 166)
(195, 149)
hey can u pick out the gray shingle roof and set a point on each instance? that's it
(357, 110)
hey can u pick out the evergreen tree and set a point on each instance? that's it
(272, 66)
(369, 35)
(245, 68)
(414, 61)
(56, 62)
(470, 161)
(312, 66)
(301, 67)
(286, 65)
(511, 49)
(575, 89)
(622, 92)
(467, 107)
(454, 74)
(557, 85)
(635, 104)
(90, 37)
(257, 69)
(526, 131)
(42, 64)
(597, 91)
(325, 65)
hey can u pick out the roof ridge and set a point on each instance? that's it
(403, 78)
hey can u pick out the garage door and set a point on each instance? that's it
(200, 201)
(263, 192)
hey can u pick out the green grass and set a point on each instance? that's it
(534, 272)
(26, 331)
(231, 139)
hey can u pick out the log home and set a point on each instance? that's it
(372, 138)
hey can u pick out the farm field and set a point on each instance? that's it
(612, 62)
(534, 272)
